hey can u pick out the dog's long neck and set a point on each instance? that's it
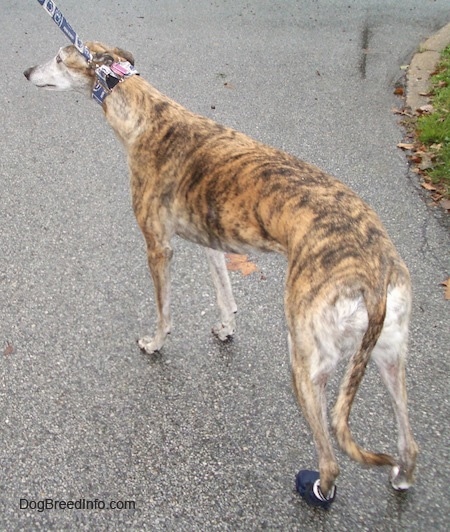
(132, 108)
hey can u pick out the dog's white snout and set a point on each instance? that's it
(55, 76)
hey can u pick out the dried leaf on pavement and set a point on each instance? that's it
(425, 109)
(402, 112)
(428, 186)
(405, 145)
(240, 263)
(445, 204)
(427, 161)
(9, 349)
(446, 284)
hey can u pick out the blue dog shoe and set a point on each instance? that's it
(307, 484)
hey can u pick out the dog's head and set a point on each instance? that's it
(71, 71)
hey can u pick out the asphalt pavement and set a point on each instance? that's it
(203, 436)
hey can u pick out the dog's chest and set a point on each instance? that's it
(222, 230)
(204, 234)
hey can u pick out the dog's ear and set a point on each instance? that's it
(103, 58)
(128, 56)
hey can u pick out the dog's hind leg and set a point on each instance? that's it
(225, 300)
(310, 375)
(159, 254)
(390, 356)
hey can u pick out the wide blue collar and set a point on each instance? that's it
(108, 76)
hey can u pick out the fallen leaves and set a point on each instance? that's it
(436, 194)
(425, 124)
(423, 158)
(240, 263)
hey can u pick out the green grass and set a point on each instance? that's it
(434, 129)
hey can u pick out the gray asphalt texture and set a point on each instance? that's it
(203, 436)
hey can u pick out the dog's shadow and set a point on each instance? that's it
(398, 503)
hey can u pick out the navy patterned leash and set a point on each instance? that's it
(60, 20)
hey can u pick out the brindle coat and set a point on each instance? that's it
(347, 292)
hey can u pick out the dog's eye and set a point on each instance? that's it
(58, 59)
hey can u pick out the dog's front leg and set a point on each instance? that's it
(159, 257)
(225, 300)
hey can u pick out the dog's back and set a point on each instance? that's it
(348, 293)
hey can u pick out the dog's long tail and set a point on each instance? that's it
(376, 309)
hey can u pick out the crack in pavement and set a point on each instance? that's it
(365, 37)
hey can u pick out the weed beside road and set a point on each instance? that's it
(432, 135)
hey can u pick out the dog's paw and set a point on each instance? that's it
(399, 480)
(149, 344)
(307, 484)
(223, 332)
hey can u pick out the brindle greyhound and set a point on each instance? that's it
(348, 293)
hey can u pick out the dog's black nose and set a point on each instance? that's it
(27, 72)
